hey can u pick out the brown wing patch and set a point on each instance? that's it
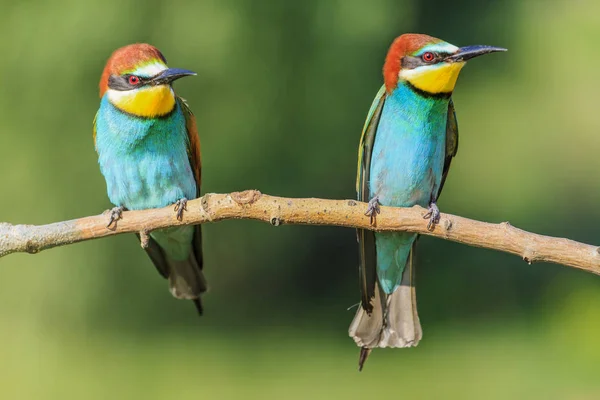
(193, 143)
(195, 163)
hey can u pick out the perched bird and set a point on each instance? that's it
(149, 153)
(408, 141)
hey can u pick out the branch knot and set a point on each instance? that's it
(246, 197)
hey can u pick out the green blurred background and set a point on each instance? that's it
(280, 97)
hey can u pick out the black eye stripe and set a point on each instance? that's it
(410, 62)
(121, 82)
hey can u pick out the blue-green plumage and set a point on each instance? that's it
(145, 163)
(407, 164)
(144, 160)
(405, 151)
(149, 153)
(408, 142)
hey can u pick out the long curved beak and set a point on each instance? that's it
(169, 75)
(466, 53)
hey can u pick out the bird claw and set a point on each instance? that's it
(373, 209)
(116, 213)
(433, 214)
(180, 207)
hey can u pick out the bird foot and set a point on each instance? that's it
(433, 214)
(180, 207)
(373, 209)
(115, 213)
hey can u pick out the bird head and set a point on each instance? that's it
(136, 80)
(428, 64)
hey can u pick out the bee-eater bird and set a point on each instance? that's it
(408, 141)
(149, 153)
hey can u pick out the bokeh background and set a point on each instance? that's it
(280, 97)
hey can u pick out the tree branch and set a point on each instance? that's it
(251, 204)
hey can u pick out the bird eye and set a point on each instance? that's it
(133, 80)
(428, 57)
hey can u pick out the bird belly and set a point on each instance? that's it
(149, 180)
(406, 169)
(153, 180)
(144, 161)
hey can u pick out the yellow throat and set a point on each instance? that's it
(149, 102)
(437, 79)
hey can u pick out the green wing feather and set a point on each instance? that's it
(451, 143)
(367, 139)
(195, 163)
(366, 238)
(94, 133)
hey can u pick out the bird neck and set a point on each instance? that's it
(414, 104)
(124, 132)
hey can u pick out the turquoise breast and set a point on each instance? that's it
(144, 160)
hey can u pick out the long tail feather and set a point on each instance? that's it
(186, 280)
(198, 304)
(394, 322)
